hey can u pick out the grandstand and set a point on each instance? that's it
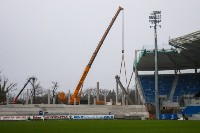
(176, 88)
(62, 109)
(186, 85)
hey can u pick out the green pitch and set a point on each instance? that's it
(101, 126)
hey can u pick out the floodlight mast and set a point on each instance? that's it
(155, 18)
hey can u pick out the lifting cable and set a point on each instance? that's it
(123, 60)
(130, 79)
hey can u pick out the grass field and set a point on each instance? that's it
(101, 126)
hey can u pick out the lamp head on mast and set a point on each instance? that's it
(155, 17)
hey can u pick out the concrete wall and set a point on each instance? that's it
(53, 109)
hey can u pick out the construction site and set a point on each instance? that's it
(154, 96)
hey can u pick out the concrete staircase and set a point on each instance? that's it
(170, 97)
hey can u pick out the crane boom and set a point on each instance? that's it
(31, 78)
(87, 68)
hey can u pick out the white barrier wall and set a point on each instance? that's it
(55, 117)
(13, 118)
(38, 117)
(50, 117)
(84, 117)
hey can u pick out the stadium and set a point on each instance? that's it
(178, 91)
(165, 96)
(179, 100)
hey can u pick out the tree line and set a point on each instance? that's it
(39, 95)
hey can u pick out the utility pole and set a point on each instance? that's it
(155, 18)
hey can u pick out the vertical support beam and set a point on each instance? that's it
(7, 98)
(136, 95)
(31, 99)
(126, 101)
(54, 100)
(27, 96)
(68, 95)
(74, 101)
(117, 91)
(48, 96)
(33, 91)
(111, 101)
(136, 74)
(97, 91)
(123, 99)
(94, 101)
(105, 93)
(88, 97)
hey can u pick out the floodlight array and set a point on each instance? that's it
(155, 17)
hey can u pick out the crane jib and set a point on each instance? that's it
(104, 36)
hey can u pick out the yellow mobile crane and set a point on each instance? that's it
(87, 68)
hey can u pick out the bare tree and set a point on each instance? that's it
(5, 87)
(54, 89)
(36, 90)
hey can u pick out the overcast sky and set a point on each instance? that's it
(54, 39)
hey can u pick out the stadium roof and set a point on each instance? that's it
(184, 55)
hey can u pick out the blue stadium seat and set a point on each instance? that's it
(190, 110)
(148, 84)
(187, 84)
